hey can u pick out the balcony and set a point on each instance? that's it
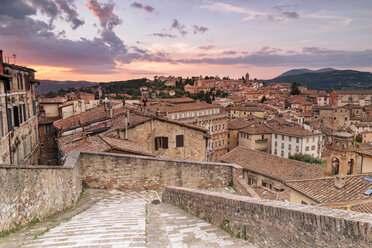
(261, 141)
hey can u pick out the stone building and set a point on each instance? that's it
(200, 114)
(256, 137)
(344, 97)
(18, 115)
(246, 111)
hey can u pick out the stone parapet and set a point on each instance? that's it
(275, 224)
(107, 171)
(35, 192)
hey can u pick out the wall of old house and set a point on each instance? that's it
(255, 141)
(298, 198)
(195, 146)
(268, 223)
(107, 170)
(48, 144)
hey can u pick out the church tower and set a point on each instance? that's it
(247, 77)
(342, 159)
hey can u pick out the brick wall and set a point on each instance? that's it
(106, 170)
(35, 192)
(276, 224)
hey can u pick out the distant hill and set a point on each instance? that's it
(302, 71)
(47, 86)
(327, 79)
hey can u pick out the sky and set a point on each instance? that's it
(109, 40)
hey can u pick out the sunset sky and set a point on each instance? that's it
(105, 40)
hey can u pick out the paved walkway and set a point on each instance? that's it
(128, 219)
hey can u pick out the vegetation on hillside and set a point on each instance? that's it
(308, 159)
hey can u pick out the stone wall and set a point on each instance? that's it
(107, 170)
(36, 192)
(273, 223)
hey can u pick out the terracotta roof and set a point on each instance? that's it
(47, 120)
(248, 109)
(352, 92)
(294, 130)
(260, 129)
(179, 100)
(322, 190)
(363, 207)
(275, 167)
(164, 107)
(242, 123)
(57, 100)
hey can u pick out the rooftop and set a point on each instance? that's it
(275, 167)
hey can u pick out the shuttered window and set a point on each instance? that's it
(161, 142)
(16, 116)
(10, 124)
(179, 141)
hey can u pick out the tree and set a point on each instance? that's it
(208, 98)
(294, 89)
(358, 139)
(263, 99)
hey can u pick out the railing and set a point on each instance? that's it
(261, 140)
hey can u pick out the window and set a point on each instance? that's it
(275, 152)
(252, 180)
(16, 116)
(24, 149)
(345, 118)
(289, 147)
(24, 112)
(290, 138)
(282, 137)
(223, 126)
(307, 149)
(313, 139)
(46, 128)
(179, 141)
(161, 142)
(219, 143)
(36, 135)
(282, 153)
(282, 145)
(312, 148)
(276, 144)
(1, 124)
(297, 140)
(304, 203)
(223, 142)
(297, 149)
(219, 127)
(276, 136)
(34, 107)
(262, 137)
(267, 185)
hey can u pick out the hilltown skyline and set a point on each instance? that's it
(115, 40)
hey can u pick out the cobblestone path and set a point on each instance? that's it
(128, 219)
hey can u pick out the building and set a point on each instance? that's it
(200, 114)
(18, 115)
(347, 192)
(262, 170)
(344, 97)
(235, 125)
(257, 137)
(245, 111)
(288, 139)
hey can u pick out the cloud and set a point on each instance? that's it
(17, 9)
(164, 35)
(311, 57)
(248, 13)
(179, 27)
(229, 53)
(281, 7)
(291, 15)
(199, 29)
(147, 8)
(105, 13)
(56, 8)
(205, 48)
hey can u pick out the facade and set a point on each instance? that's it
(256, 138)
(288, 140)
(344, 97)
(18, 115)
(244, 112)
(235, 125)
(202, 115)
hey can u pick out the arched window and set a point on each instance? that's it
(335, 166)
(350, 167)
(350, 99)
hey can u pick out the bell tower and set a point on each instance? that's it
(342, 159)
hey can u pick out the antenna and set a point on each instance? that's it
(14, 58)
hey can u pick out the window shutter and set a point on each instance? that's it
(165, 142)
(156, 143)
(179, 141)
(24, 112)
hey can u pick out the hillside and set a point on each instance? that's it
(47, 86)
(302, 71)
(328, 79)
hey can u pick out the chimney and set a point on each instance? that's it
(340, 181)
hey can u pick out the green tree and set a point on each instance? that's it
(263, 99)
(294, 89)
(358, 139)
